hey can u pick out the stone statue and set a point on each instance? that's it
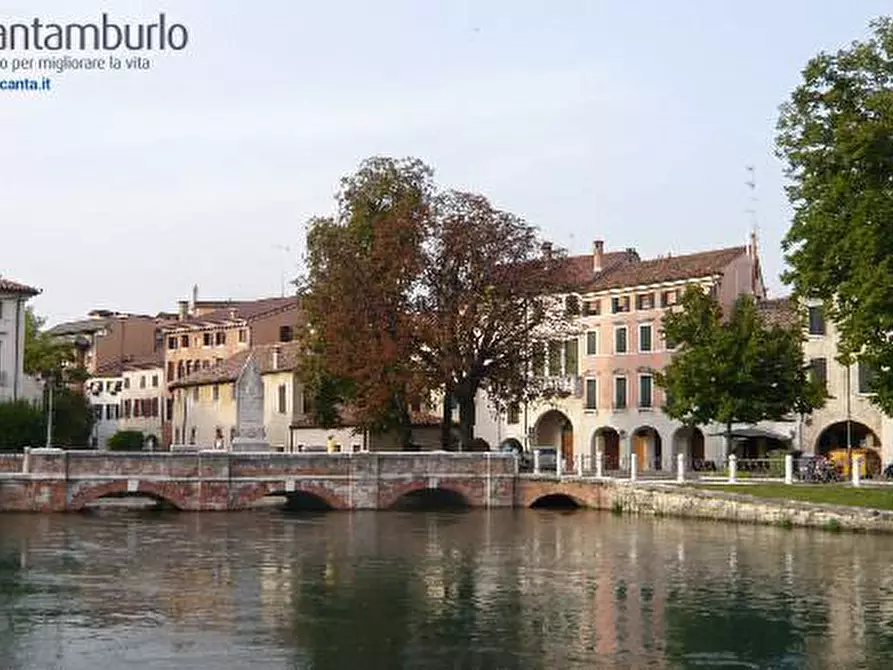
(250, 434)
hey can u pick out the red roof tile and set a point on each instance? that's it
(229, 370)
(238, 311)
(780, 312)
(9, 286)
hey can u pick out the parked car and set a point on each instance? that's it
(525, 458)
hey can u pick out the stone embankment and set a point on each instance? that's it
(673, 500)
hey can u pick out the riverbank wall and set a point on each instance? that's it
(681, 501)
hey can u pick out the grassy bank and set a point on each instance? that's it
(829, 494)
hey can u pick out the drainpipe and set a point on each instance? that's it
(18, 351)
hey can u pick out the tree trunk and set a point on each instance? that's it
(446, 421)
(466, 420)
(405, 427)
(728, 439)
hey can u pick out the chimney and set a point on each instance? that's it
(194, 298)
(183, 310)
(232, 313)
(276, 352)
(598, 255)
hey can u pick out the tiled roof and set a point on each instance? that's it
(10, 286)
(229, 369)
(237, 311)
(780, 312)
(577, 271)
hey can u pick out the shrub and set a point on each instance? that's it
(21, 425)
(127, 440)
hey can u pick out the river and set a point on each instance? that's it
(500, 589)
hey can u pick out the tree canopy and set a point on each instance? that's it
(733, 368)
(44, 355)
(411, 290)
(836, 135)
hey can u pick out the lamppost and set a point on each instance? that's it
(50, 384)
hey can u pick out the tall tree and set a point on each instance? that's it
(488, 303)
(733, 368)
(363, 270)
(836, 135)
(44, 355)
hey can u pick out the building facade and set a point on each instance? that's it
(143, 396)
(14, 384)
(208, 338)
(605, 395)
(104, 394)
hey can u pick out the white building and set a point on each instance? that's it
(142, 399)
(104, 395)
(14, 384)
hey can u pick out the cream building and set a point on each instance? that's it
(14, 384)
(143, 398)
(104, 395)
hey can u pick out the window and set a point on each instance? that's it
(195, 394)
(137, 407)
(243, 335)
(645, 337)
(220, 338)
(285, 334)
(816, 320)
(592, 343)
(591, 394)
(154, 381)
(645, 301)
(97, 412)
(176, 436)
(669, 298)
(619, 392)
(572, 305)
(188, 367)
(169, 409)
(184, 341)
(154, 407)
(179, 369)
(218, 361)
(592, 307)
(127, 382)
(172, 343)
(282, 398)
(127, 408)
(206, 339)
(619, 304)
(192, 432)
(215, 393)
(645, 391)
(170, 370)
(142, 381)
(818, 370)
(571, 356)
(109, 412)
(513, 415)
(206, 364)
(620, 340)
(555, 355)
(866, 376)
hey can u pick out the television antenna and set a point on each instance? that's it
(286, 249)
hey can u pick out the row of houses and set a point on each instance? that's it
(173, 375)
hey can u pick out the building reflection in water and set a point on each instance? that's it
(511, 589)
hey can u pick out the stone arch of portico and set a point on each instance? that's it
(647, 444)
(689, 440)
(554, 429)
(608, 439)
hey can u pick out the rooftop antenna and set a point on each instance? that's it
(287, 250)
(751, 210)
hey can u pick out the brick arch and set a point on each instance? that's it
(251, 493)
(159, 491)
(399, 489)
(585, 495)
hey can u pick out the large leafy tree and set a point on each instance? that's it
(411, 291)
(836, 135)
(488, 303)
(363, 269)
(733, 368)
(45, 355)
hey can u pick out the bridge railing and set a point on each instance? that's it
(11, 462)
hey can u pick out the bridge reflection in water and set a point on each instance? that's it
(507, 589)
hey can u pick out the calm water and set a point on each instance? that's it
(507, 589)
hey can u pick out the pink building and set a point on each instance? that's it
(608, 370)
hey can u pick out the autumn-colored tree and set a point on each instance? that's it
(488, 304)
(410, 291)
(364, 266)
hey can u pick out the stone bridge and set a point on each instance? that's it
(54, 480)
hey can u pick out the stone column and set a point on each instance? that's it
(788, 469)
(559, 457)
(856, 469)
(680, 468)
(733, 469)
(536, 462)
(579, 465)
(599, 463)
(633, 466)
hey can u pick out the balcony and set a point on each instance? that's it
(563, 386)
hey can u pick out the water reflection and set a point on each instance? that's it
(525, 589)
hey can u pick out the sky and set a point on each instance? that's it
(627, 121)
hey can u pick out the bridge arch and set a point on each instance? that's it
(251, 493)
(420, 494)
(556, 500)
(122, 489)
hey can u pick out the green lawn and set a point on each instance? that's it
(831, 494)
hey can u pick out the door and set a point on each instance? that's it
(640, 445)
(567, 446)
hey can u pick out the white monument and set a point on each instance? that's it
(250, 434)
